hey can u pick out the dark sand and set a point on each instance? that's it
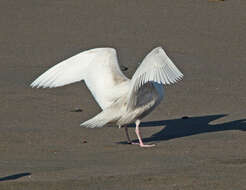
(41, 144)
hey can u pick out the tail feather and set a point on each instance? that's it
(100, 119)
(94, 122)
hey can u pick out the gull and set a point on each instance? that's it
(121, 99)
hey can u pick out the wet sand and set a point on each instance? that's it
(41, 143)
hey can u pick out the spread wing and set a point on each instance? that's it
(156, 67)
(98, 67)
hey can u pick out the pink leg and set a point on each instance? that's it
(139, 136)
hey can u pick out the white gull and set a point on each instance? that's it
(122, 100)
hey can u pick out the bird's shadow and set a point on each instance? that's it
(187, 126)
(14, 176)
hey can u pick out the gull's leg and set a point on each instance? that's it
(139, 136)
(128, 137)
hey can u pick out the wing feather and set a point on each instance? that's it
(156, 67)
(98, 67)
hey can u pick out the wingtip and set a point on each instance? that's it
(32, 85)
(158, 49)
(35, 85)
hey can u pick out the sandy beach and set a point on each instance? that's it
(199, 128)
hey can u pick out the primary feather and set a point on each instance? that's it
(156, 67)
(98, 67)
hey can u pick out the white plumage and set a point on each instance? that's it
(122, 100)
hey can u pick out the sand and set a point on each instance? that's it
(199, 128)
